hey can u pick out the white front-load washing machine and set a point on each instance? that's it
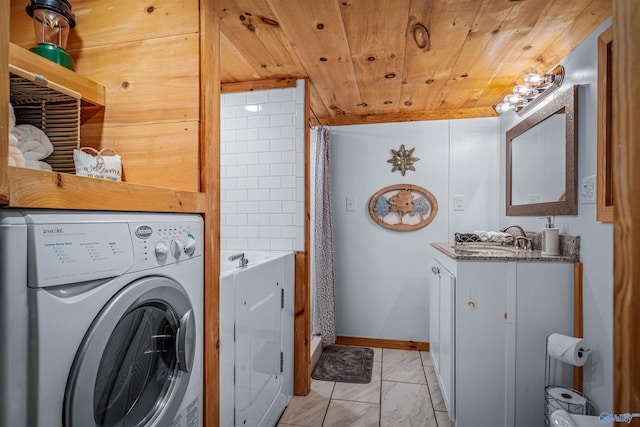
(101, 319)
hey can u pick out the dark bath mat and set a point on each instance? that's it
(344, 364)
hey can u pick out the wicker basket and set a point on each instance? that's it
(56, 113)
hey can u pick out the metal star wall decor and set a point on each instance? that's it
(402, 160)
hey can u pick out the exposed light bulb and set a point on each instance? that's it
(513, 99)
(534, 79)
(522, 90)
(503, 108)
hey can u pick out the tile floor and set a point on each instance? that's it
(403, 391)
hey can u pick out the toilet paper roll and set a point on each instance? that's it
(567, 349)
(565, 395)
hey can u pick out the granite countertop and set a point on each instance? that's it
(493, 252)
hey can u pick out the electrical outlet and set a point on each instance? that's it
(589, 189)
(458, 202)
(351, 204)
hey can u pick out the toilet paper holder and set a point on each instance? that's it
(560, 396)
(566, 349)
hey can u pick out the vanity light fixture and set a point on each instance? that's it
(535, 88)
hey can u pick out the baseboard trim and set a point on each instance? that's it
(384, 343)
(316, 350)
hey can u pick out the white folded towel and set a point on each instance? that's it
(15, 157)
(12, 117)
(37, 164)
(13, 140)
(17, 133)
(35, 144)
(483, 235)
(34, 150)
(494, 236)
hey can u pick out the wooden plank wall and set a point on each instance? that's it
(147, 56)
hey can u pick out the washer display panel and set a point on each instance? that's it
(135, 359)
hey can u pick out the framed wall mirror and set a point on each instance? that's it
(542, 160)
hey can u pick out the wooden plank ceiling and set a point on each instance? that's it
(371, 61)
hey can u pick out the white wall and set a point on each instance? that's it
(596, 246)
(262, 174)
(474, 146)
(382, 275)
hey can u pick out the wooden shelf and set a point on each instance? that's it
(90, 91)
(29, 188)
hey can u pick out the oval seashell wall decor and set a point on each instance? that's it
(403, 207)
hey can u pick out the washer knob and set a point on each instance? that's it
(190, 245)
(162, 250)
(176, 248)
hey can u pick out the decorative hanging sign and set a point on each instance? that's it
(402, 160)
(403, 207)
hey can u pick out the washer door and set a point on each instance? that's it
(134, 363)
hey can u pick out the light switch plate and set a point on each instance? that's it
(458, 202)
(588, 189)
(351, 204)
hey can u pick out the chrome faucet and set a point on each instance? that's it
(521, 241)
(242, 260)
(520, 229)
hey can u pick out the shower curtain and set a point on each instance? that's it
(323, 310)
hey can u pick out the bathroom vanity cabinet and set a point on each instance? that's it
(488, 326)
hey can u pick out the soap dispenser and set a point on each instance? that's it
(550, 238)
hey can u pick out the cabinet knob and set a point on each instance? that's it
(471, 304)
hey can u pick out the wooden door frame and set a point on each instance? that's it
(302, 309)
(210, 184)
(626, 131)
(5, 10)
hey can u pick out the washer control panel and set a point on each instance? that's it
(63, 252)
(161, 243)
(71, 253)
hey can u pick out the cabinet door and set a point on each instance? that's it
(544, 306)
(434, 316)
(481, 344)
(442, 331)
(447, 339)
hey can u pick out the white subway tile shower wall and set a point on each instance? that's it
(262, 169)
